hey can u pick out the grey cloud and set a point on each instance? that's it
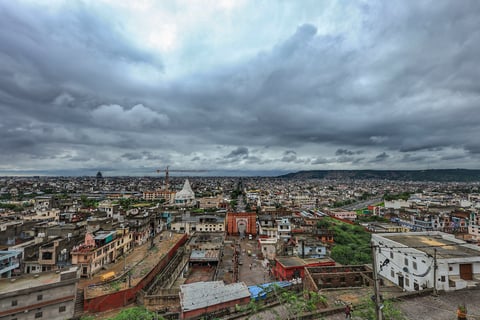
(132, 156)
(239, 152)
(381, 157)
(146, 155)
(453, 157)
(289, 156)
(344, 152)
(414, 158)
(402, 83)
(320, 161)
(347, 152)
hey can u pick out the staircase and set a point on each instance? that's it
(78, 304)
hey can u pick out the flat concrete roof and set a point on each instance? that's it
(30, 281)
(425, 242)
(295, 261)
(199, 295)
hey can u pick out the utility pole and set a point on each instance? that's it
(435, 293)
(376, 285)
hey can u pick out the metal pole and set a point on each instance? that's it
(376, 286)
(435, 293)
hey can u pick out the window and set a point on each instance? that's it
(414, 265)
(14, 303)
(407, 282)
(40, 297)
(38, 315)
(391, 254)
(442, 279)
(392, 273)
(406, 261)
(62, 309)
(416, 287)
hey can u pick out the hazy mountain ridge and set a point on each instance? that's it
(441, 175)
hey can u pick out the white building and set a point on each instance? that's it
(408, 259)
(474, 226)
(284, 229)
(268, 247)
(186, 196)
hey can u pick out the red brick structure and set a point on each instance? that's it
(241, 222)
(318, 278)
(290, 267)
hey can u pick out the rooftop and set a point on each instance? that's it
(447, 246)
(31, 280)
(294, 261)
(205, 255)
(199, 295)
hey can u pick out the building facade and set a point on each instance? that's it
(49, 295)
(420, 260)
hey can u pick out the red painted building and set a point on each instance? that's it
(241, 223)
(290, 267)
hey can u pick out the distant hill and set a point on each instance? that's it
(441, 175)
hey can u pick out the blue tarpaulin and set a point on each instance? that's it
(260, 291)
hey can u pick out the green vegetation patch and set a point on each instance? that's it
(352, 242)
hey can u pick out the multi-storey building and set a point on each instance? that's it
(141, 224)
(204, 223)
(48, 295)
(100, 249)
(9, 262)
(284, 229)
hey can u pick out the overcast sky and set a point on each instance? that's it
(126, 87)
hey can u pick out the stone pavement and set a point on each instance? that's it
(251, 270)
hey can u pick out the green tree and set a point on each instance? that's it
(389, 311)
(323, 224)
(298, 304)
(138, 313)
(87, 203)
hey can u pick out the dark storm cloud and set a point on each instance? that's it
(404, 87)
(406, 79)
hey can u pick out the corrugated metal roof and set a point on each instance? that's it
(202, 294)
(204, 255)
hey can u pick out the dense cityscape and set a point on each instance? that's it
(220, 247)
(239, 159)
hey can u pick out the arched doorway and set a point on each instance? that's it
(242, 227)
